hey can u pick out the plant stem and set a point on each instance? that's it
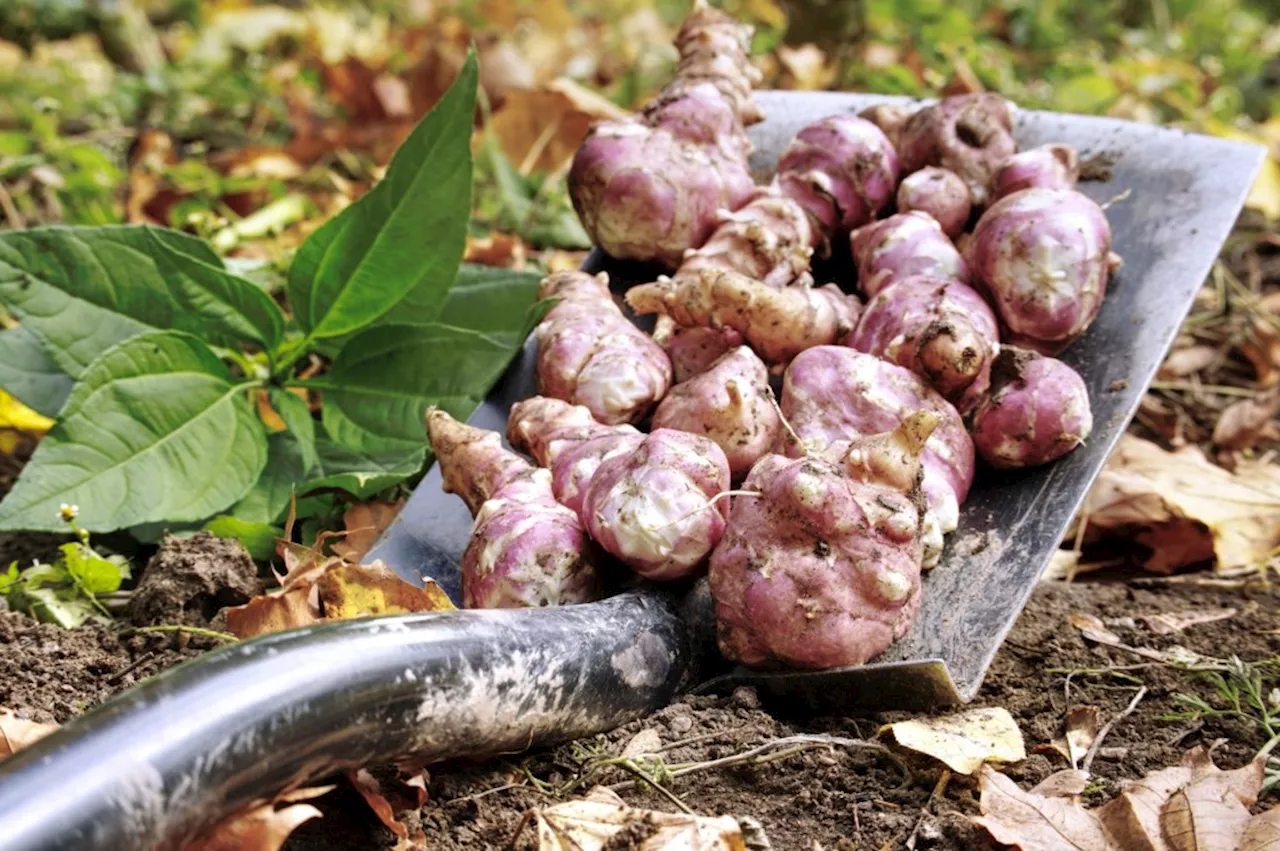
(194, 630)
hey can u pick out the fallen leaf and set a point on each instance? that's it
(364, 524)
(15, 415)
(541, 129)
(1062, 784)
(1207, 815)
(505, 250)
(1187, 360)
(261, 827)
(1244, 422)
(1134, 816)
(1265, 193)
(1035, 822)
(1081, 730)
(1147, 489)
(1170, 622)
(1092, 628)
(590, 823)
(806, 68)
(380, 801)
(353, 590)
(272, 613)
(647, 741)
(964, 741)
(17, 733)
(1263, 832)
(1262, 347)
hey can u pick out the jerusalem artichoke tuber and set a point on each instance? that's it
(650, 189)
(821, 570)
(694, 348)
(971, 135)
(1036, 411)
(655, 508)
(940, 329)
(889, 117)
(525, 548)
(728, 403)
(566, 439)
(941, 194)
(1046, 167)
(590, 354)
(1043, 256)
(903, 245)
(777, 323)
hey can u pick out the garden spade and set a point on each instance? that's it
(158, 764)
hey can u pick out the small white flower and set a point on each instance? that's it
(68, 512)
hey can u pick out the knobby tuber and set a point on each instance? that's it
(842, 170)
(567, 440)
(729, 403)
(525, 548)
(655, 508)
(834, 394)
(1044, 257)
(901, 246)
(650, 189)
(777, 323)
(770, 239)
(941, 194)
(694, 348)
(971, 135)
(1036, 411)
(889, 117)
(822, 569)
(1045, 167)
(590, 354)
(940, 329)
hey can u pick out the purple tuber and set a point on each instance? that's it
(1036, 411)
(889, 117)
(566, 439)
(731, 404)
(941, 194)
(940, 329)
(902, 246)
(525, 548)
(1044, 257)
(590, 354)
(1045, 167)
(693, 349)
(655, 508)
(971, 135)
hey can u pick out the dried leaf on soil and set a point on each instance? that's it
(1170, 501)
(590, 823)
(353, 590)
(1092, 628)
(262, 827)
(377, 798)
(1263, 832)
(541, 129)
(364, 523)
(1081, 730)
(1035, 822)
(647, 741)
(1168, 623)
(17, 733)
(964, 741)
(1188, 360)
(1247, 421)
(272, 613)
(1063, 784)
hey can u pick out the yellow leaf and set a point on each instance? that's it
(353, 590)
(15, 415)
(963, 742)
(1265, 194)
(272, 613)
(589, 825)
(541, 129)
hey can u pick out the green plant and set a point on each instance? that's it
(66, 592)
(180, 366)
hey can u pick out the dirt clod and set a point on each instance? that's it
(190, 579)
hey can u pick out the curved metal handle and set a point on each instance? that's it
(152, 767)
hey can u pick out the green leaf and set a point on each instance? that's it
(405, 235)
(492, 301)
(9, 578)
(48, 605)
(94, 574)
(377, 392)
(155, 430)
(258, 538)
(297, 417)
(79, 291)
(268, 499)
(29, 374)
(363, 474)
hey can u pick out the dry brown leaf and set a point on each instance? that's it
(1082, 729)
(1095, 630)
(353, 590)
(806, 68)
(406, 795)
(17, 733)
(1154, 491)
(505, 250)
(1170, 622)
(541, 129)
(1134, 816)
(964, 741)
(261, 827)
(148, 197)
(1066, 783)
(1207, 815)
(1035, 822)
(364, 523)
(647, 741)
(1247, 421)
(590, 823)
(1262, 348)
(272, 613)
(1263, 832)
(1092, 628)
(1187, 360)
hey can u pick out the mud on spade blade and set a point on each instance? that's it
(1185, 192)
